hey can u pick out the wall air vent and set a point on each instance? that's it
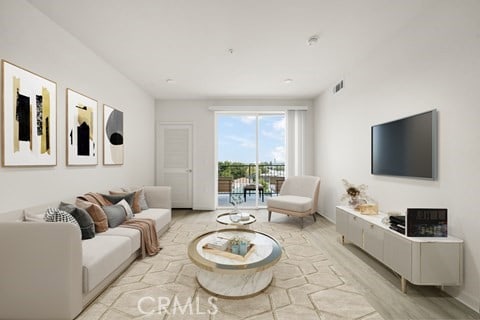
(338, 87)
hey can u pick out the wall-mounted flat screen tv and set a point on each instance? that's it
(406, 147)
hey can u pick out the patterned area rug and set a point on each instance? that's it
(305, 286)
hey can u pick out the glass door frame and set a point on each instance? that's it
(257, 115)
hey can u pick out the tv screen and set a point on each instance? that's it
(406, 147)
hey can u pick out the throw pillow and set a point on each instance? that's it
(142, 200)
(116, 215)
(96, 213)
(83, 218)
(116, 198)
(127, 208)
(57, 215)
(135, 204)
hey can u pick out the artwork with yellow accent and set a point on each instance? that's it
(29, 118)
(82, 146)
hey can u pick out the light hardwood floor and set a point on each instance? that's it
(380, 285)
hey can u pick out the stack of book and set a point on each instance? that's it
(218, 243)
(397, 223)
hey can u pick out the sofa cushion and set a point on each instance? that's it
(101, 256)
(57, 215)
(292, 203)
(140, 193)
(12, 216)
(116, 215)
(115, 198)
(96, 213)
(162, 217)
(135, 203)
(36, 213)
(83, 218)
(133, 234)
(128, 209)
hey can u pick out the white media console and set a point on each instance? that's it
(419, 260)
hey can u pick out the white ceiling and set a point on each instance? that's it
(150, 41)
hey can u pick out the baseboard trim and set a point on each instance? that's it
(465, 298)
(326, 217)
(203, 208)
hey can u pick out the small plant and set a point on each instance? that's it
(355, 194)
(235, 241)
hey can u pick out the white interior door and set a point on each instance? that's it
(174, 162)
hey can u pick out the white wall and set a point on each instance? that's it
(32, 41)
(434, 62)
(203, 120)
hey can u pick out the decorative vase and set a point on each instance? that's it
(235, 248)
(242, 250)
(355, 201)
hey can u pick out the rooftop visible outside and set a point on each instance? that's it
(237, 154)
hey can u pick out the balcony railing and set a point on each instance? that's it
(235, 178)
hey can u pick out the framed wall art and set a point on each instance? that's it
(112, 136)
(29, 118)
(82, 130)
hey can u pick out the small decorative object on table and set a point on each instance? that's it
(244, 216)
(367, 208)
(238, 248)
(243, 246)
(218, 243)
(235, 245)
(235, 215)
(358, 198)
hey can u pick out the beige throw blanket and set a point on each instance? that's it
(146, 227)
(148, 233)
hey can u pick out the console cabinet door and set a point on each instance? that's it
(397, 254)
(341, 222)
(373, 240)
(355, 230)
(437, 263)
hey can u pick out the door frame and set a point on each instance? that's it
(158, 153)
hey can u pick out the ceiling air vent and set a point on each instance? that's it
(338, 87)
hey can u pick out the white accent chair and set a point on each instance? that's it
(298, 197)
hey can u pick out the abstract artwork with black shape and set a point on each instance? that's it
(114, 137)
(39, 115)
(83, 135)
(82, 129)
(23, 117)
(29, 121)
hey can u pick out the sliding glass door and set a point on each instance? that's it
(250, 158)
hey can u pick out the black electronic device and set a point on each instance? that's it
(406, 147)
(427, 222)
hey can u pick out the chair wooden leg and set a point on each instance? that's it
(301, 223)
(314, 217)
(269, 215)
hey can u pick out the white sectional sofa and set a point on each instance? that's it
(48, 272)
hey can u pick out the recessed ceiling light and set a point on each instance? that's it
(313, 40)
(288, 80)
(170, 81)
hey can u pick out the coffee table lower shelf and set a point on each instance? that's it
(234, 285)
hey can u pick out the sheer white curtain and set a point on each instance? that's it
(295, 142)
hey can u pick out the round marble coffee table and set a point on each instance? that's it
(237, 278)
